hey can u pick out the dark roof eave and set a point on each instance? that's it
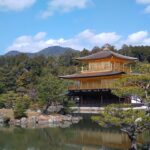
(76, 76)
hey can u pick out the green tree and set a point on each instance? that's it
(95, 49)
(1, 88)
(9, 99)
(68, 58)
(19, 110)
(84, 52)
(141, 52)
(51, 90)
(130, 121)
(135, 84)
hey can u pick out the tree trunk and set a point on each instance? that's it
(146, 94)
(132, 136)
(133, 145)
(47, 106)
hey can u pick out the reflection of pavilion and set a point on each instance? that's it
(74, 138)
(93, 140)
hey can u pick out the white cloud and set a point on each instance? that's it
(40, 36)
(147, 9)
(137, 37)
(143, 1)
(103, 38)
(146, 41)
(92, 39)
(27, 43)
(16, 5)
(86, 39)
(64, 6)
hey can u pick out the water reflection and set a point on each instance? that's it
(83, 136)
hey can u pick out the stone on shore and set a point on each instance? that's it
(1, 120)
(24, 120)
(36, 119)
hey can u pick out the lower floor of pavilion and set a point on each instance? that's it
(95, 98)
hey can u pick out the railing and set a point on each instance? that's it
(74, 87)
(123, 69)
(92, 71)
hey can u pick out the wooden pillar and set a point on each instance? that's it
(119, 100)
(123, 68)
(130, 69)
(82, 68)
(81, 100)
(101, 99)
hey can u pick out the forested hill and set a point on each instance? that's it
(49, 51)
(140, 52)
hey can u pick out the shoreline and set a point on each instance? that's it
(36, 119)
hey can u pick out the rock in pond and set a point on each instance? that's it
(24, 120)
(1, 120)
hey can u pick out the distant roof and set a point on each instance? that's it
(91, 75)
(105, 53)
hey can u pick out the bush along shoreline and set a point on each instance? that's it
(37, 119)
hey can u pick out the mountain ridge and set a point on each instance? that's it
(49, 51)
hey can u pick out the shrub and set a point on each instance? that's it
(19, 110)
(2, 105)
(67, 104)
(6, 120)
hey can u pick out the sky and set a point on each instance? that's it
(31, 25)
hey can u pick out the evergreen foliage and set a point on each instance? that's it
(130, 121)
(33, 80)
(137, 84)
(19, 110)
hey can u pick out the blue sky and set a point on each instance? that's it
(31, 25)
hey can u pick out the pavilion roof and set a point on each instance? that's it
(105, 54)
(92, 75)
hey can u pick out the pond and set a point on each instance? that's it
(82, 136)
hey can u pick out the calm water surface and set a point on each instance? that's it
(83, 136)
